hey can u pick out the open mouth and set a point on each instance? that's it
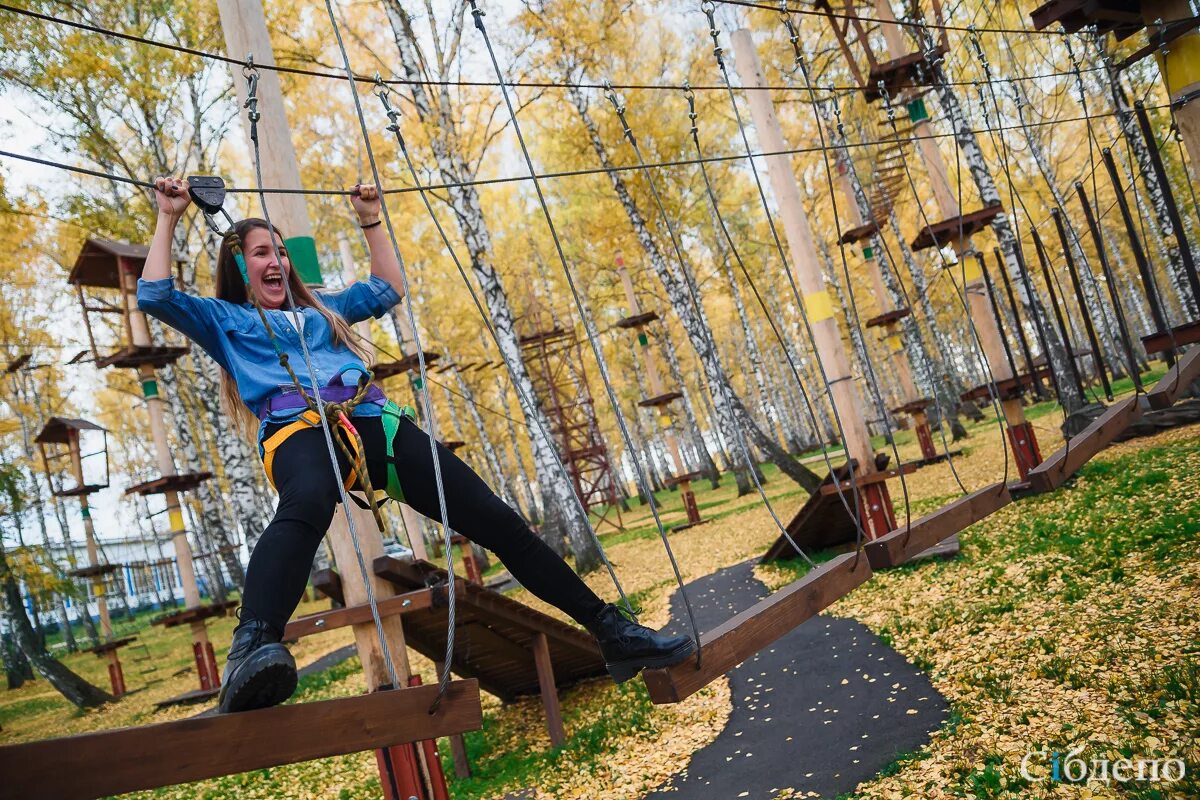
(273, 280)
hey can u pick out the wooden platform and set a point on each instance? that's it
(951, 230)
(821, 522)
(1175, 382)
(907, 541)
(900, 73)
(389, 369)
(887, 318)
(134, 356)
(858, 234)
(94, 570)
(660, 400)
(1122, 19)
(1066, 461)
(687, 476)
(109, 646)
(494, 635)
(196, 614)
(637, 320)
(913, 406)
(1178, 336)
(168, 753)
(1007, 389)
(744, 634)
(170, 483)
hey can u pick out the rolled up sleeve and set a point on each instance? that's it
(195, 317)
(362, 300)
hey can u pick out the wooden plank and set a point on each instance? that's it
(354, 615)
(744, 634)
(545, 674)
(900, 545)
(1170, 386)
(1079, 449)
(329, 583)
(1177, 337)
(168, 753)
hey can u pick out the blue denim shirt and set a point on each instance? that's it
(235, 337)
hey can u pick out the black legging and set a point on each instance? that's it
(308, 496)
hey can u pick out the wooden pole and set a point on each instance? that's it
(245, 29)
(805, 263)
(545, 673)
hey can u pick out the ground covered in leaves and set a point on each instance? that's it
(1070, 620)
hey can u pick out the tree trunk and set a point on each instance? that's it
(518, 463)
(731, 413)
(79, 598)
(16, 666)
(485, 441)
(563, 512)
(707, 465)
(69, 685)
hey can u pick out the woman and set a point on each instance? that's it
(260, 671)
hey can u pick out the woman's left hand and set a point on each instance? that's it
(365, 199)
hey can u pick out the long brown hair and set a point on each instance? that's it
(230, 287)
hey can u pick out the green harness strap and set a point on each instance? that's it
(392, 414)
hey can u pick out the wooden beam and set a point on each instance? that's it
(1079, 449)
(129, 759)
(545, 673)
(743, 635)
(900, 545)
(1170, 386)
(354, 615)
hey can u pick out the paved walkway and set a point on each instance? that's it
(826, 707)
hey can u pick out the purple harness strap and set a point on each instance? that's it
(334, 393)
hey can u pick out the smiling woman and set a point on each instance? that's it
(264, 317)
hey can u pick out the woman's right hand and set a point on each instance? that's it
(172, 196)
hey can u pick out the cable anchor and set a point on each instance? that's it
(710, 10)
(618, 104)
(250, 73)
(690, 96)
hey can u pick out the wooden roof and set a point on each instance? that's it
(98, 262)
(57, 430)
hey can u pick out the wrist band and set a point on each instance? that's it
(372, 225)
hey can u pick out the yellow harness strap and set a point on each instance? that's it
(309, 419)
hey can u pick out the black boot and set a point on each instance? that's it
(628, 647)
(259, 671)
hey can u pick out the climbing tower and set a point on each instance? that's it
(554, 358)
(62, 443)
(660, 399)
(102, 268)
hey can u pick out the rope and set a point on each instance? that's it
(444, 680)
(220, 57)
(310, 192)
(527, 402)
(725, 390)
(593, 338)
(708, 8)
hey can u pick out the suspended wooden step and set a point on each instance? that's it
(495, 636)
(901, 73)
(130, 759)
(821, 522)
(1066, 461)
(1178, 336)
(743, 635)
(951, 230)
(905, 542)
(135, 356)
(663, 399)
(94, 570)
(389, 369)
(1176, 381)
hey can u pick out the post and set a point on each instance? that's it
(245, 29)
(545, 673)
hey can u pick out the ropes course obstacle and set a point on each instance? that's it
(60, 439)
(237, 743)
